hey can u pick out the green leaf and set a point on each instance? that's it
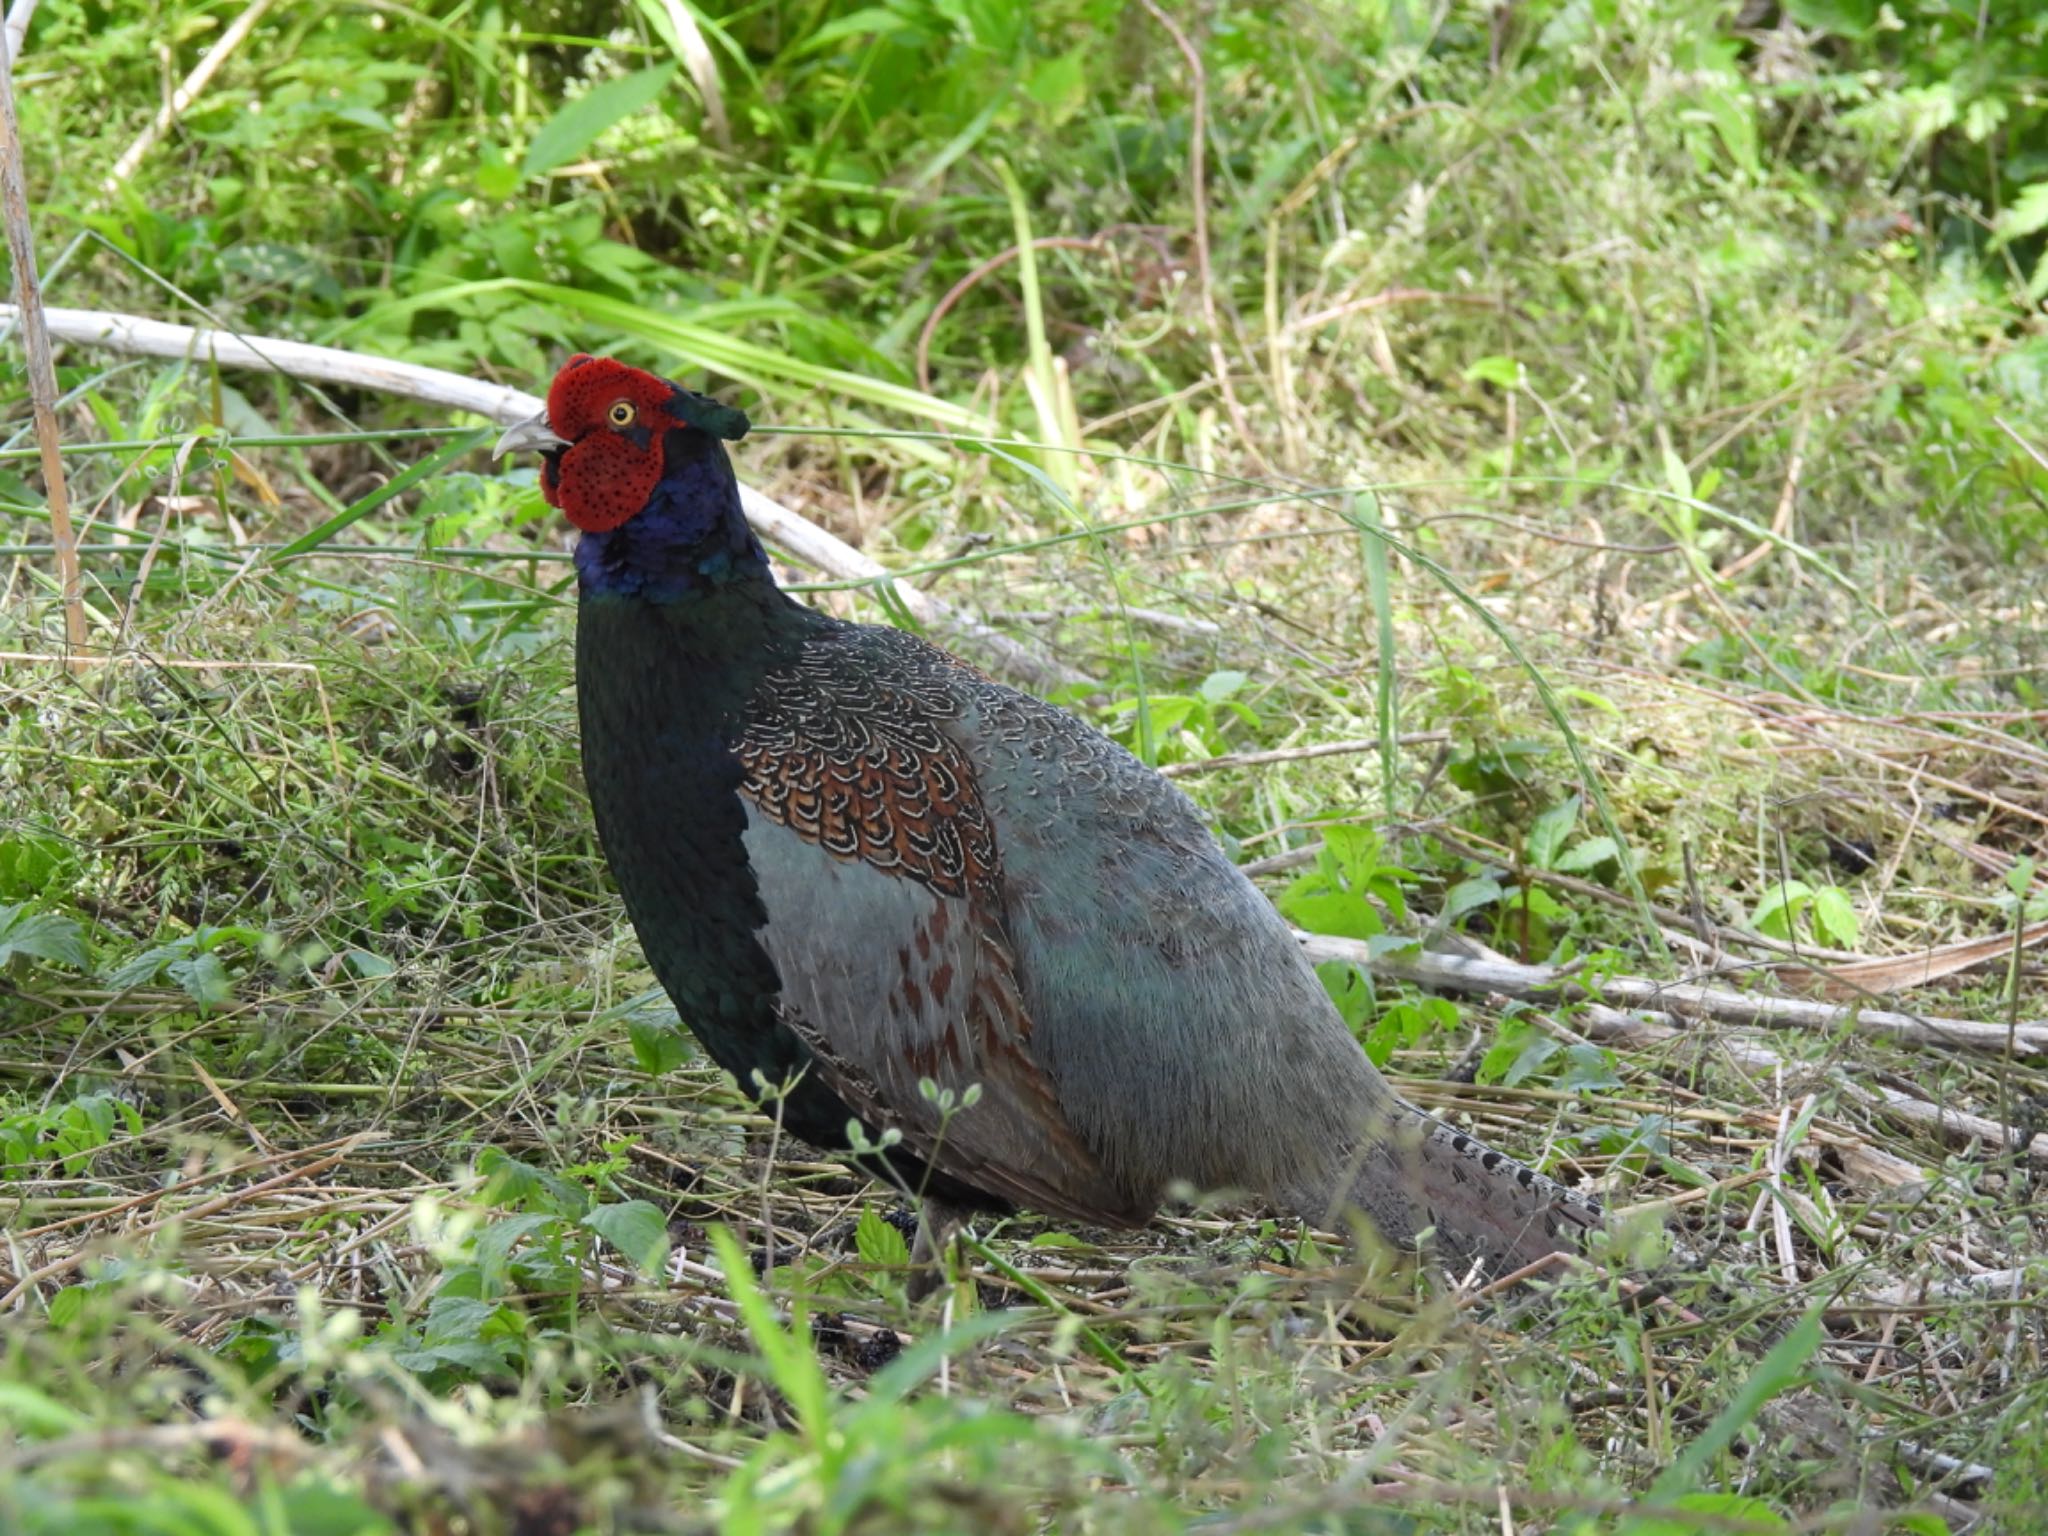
(36, 1416)
(658, 1045)
(459, 1319)
(1338, 914)
(1834, 917)
(1548, 832)
(1739, 1510)
(1780, 908)
(1677, 478)
(1060, 84)
(879, 1243)
(496, 180)
(576, 126)
(31, 863)
(636, 1229)
(792, 1366)
(205, 980)
(2025, 215)
(494, 1245)
(1590, 854)
(1218, 686)
(1468, 895)
(1521, 1049)
(139, 969)
(1588, 1068)
(1735, 125)
(41, 936)
(1844, 18)
(507, 1181)
(876, 20)
(1504, 371)
(67, 1304)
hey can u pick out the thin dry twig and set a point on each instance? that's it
(1788, 498)
(42, 369)
(73, 1260)
(1198, 190)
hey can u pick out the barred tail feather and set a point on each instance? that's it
(1482, 1206)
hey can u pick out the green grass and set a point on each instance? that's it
(356, 1180)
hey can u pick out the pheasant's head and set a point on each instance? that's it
(611, 435)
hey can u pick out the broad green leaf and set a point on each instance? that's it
(205, 980)
(1548, 832)
(576, 126)
(870, 21)
(1521, 1049)
(1218, 686)
(1336, 913)
(458, 1319)
(1590, 854)
(879, 1243)
(1844, 18)
(35, 1415)
(1468, 895)
(636, 1229)
(1780, 908)
(147, 966)
(1834, 917)
(1588, 1067)
(493, 1248)
(41, 936)
(2025, 215)
(1735, 124)
(658, 1045)
(30, 864)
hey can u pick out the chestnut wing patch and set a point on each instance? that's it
(857, 764)
(878, 866)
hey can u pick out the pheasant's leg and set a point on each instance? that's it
(938, 1225)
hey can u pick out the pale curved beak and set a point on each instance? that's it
(533, 435)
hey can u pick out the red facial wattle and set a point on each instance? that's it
(615, 420)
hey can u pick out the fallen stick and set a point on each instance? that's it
(795, 535)
(1602, 1022)
(1543, 983)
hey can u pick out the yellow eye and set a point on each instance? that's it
(622, 413)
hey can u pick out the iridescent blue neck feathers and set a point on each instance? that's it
(691, 537)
